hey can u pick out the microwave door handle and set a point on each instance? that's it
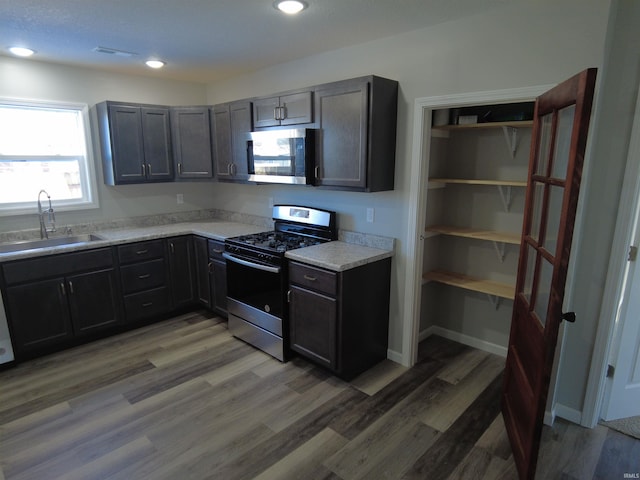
(265, 268)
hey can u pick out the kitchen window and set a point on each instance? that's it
(45, 146)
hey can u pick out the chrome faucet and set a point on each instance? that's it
(51, 217)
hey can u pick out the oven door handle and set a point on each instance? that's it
(246, 263)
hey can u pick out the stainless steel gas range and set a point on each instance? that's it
(257, 275)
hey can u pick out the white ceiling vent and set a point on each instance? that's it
(114, 51)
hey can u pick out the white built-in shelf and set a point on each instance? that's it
(470, 181)
(495, 290)
(499, 239)
(489, 235)
(510, 130)
(504, 186)
(487, 125)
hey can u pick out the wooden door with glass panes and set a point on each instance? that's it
(561, 122)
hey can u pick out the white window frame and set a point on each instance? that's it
(87, 165)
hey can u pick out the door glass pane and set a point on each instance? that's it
(543, 290)
(563, 142)
(554, 214)
(528, 276)
(546, 123)
(538, 197)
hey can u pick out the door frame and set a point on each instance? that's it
(423, 108)
(614, 289)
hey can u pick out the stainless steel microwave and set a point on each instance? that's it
(282, 156)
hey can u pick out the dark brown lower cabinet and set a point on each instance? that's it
(217, 277)
(201, 265)
(52, 300)
(313, 325)
(211, 274)
(144, 274)
(39, 315)
(181, 270)
(340, 320)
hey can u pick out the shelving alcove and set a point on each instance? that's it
(474, 209)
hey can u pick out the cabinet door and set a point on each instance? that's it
(181, 268)
(157, 144)
(127, 146)
(341, 151)
(191, 134)
(39, 314)
(218, 284)
(313, 325)
(231, 125)
(201, 262)
(264, 112)
(241, 125)
(93, 300)
(221, 133)
(297, 108)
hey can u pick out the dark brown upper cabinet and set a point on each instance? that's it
(291, 109)
(356, 145)
(135, 143)
(191, 135)
(231, 124)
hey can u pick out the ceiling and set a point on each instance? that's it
(208, 40)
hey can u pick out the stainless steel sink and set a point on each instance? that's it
(47, 243)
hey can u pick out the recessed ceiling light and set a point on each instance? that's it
(155, 63)
(22, 51)
(290, 7)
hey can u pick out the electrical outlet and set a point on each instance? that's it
(370, 215)
(179, 198)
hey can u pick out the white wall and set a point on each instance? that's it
(34, 80)
(600, 196)
(526, 44)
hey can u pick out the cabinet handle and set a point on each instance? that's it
(310, 278)
(210, 267)
(149, 168)
(172, 248)
(143, 276)
(71, 287)
(275, 113)
(316, 171)
(179, 169)
(288, 296)
(148, 304)
(217, 250)
(283, 113)
(141, 252)
(63, 290)
(144, 170)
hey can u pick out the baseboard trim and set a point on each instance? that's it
(549, 417)
(394, 356)
(568, 413)
(464, 339)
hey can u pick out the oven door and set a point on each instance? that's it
(256, 295)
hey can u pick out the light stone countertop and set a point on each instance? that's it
(338, 256)
(217, 230)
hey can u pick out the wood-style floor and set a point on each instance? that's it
(182, 399)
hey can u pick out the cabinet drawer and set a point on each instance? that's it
(216, 249)
(143, 276)
(313, 278)
(147, 304)
(139, 251)
(56, 265)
